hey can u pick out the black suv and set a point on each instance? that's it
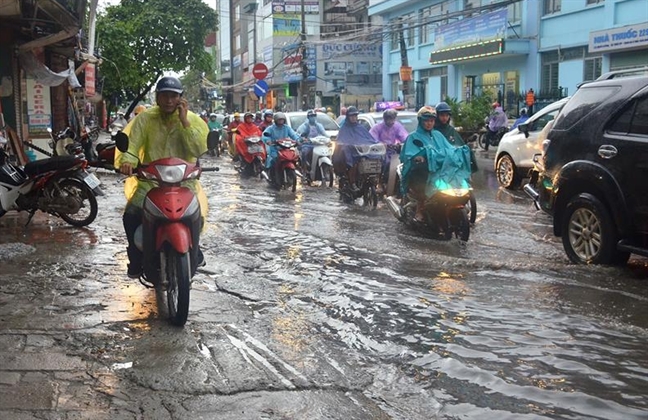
(594, 172)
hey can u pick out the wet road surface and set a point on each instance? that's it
(310, 309)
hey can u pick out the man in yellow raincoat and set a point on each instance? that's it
(166, 130)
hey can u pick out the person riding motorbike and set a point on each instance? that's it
(352, 133)
(246, 129)
(429, 158)
(258, 119)
(215, 132)
(307, 130)
(267, 119)
(496, 120)
(277, 131)
(342, 117)
(166, 130)
(521, 119)
(391, 133)
(442, 124)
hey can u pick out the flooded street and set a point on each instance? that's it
(310, 309)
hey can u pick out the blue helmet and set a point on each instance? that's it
(443, 107)
(169, 84)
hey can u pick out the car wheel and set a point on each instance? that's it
(506, 172)
(589, 235)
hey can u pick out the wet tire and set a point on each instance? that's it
(459, 225)
(471, 208)
(75, 189)
(506, 172)
(257, 168)
(290, 179)
(370, 197)
(326, 171)
(589, 235)
(482, 141)
(175, 271)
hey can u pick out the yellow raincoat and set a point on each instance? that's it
(151, 137)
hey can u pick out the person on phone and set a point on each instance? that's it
(166, 130)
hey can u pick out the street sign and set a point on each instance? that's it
(260, 71)
(261, 88)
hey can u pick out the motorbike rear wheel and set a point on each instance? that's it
(326, 171)
(175, 273)
(370, 197)
(74, 189)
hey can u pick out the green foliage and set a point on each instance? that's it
(470, 115)
(139, 40)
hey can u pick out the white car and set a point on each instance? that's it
(296, 118)
(514, 157)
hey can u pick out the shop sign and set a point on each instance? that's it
(631, 36)
(467, 52)
(295, 6)
(39, 109)
(482, 28)
(90, 80)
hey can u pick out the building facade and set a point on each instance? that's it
(462, 48)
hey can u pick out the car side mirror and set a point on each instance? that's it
(121, 141)
(525, 129)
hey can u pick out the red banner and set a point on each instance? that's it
(90, 80)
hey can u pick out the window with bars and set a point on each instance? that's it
(592, 68)
(595, 1)
(551, 6)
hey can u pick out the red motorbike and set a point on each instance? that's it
(284, 173)
(170, 229)
(252, 155)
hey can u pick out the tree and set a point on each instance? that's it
(139, 40)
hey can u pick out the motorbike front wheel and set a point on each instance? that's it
(290, 179)
(482, 141)
(471, 208)
(326, 171)
(175, 272)
(458, 225)
(73, 189)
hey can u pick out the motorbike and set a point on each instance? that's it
(170, 229)
(389, 177)
(60, 186)
(369, 172)
(284, 173)
(252, 155)
(104, 156)
(445, 212)
(494, 140)
(320, 167)
(214, 142)
(64, 142)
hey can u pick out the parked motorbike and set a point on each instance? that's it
(284, 173)
(369, 172)
(445, 212)
(170, 229)
(64, 142)
(104, 156)
(252, 155)
(60, 186)
(320, 167)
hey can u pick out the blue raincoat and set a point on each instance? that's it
(447, 166)
(351, 135)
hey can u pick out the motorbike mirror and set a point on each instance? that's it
(49, 129)
(267, 135)
(121, 141)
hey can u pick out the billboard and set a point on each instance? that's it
(481, 28)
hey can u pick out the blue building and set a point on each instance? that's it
(463, 48)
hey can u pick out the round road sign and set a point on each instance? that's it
(259, 71)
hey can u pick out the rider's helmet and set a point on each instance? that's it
(329, 109)
(213, 115)
(138, 109)
(169, 84)
(279, 116)
(352, 111)
(257, 115)
(311, 113)
(267, 112)
(495, 105)
(426, 113)
(523, 111)
(248, 114)
(390, 114)
(443, 107)
(237, 115)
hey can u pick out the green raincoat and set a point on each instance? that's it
(447, 166)
(151, 137)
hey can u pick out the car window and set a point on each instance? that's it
(634, 119)
(365, 124)
(296, 121)
(328, 123)
(542, 121)
(584, 101)
(409, 122)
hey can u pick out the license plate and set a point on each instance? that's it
(255, 148)
(92, 181)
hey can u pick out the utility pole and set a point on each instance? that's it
(302, 49)
(403, 54)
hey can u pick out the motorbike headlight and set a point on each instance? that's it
(171, 174)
